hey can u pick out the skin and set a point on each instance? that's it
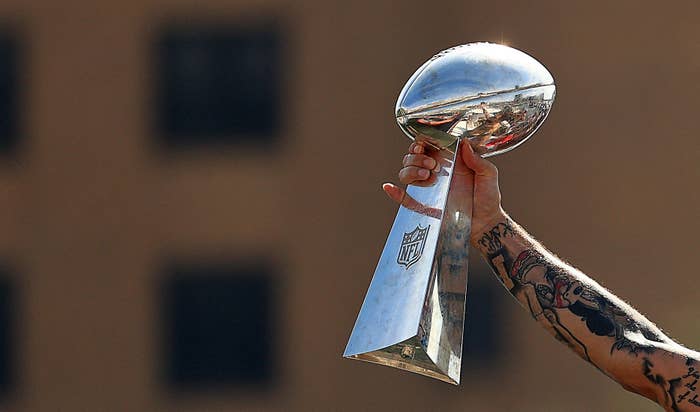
(595, 324)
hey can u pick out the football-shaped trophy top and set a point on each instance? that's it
(493, 95)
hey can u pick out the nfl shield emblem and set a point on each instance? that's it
(412, 246)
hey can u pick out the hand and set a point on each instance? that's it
(470, 170)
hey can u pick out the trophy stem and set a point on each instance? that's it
(413, 314)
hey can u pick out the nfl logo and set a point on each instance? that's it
(412, 246)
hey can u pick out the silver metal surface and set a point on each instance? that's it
(413, 314)
(491, 94)
(400, 306)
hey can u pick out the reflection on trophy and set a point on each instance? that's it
(412, 317)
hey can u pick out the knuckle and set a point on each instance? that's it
(425, 161)
(413, 160)
(404, 176)
(410, 174)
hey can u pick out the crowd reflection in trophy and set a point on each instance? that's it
(490, 124)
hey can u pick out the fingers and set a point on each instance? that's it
(479, 165)
(420, 160)
(416, 148)
(400, 196)
(418, 168)
(410, 174)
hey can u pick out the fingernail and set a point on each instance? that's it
(423, 173)
(429, 163)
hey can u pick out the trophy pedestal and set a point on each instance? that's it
(413, 314)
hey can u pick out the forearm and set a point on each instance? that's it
(594, 323)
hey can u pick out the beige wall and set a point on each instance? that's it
(89, 206)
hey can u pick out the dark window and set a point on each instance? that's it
(9, 79)
(218, 85)
(484, 323)
(218, 325)
(7, 337)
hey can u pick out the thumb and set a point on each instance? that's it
(394, 192)
(479, 165)
(400, 196)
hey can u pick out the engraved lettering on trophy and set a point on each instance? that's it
(412, 246)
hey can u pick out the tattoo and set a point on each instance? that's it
(545, 288)
(497, 255)
(677, 390)
(564, 303)
(556, 289)
(491, 240)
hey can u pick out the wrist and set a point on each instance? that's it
(496, 219)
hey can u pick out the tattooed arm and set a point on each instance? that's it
(594, 323)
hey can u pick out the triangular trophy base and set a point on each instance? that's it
(408, 355)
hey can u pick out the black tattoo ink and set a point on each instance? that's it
(677, 390)
(595, 321)
(497, 256)
(491, 240)
(549, 291)
(556, 289)
(669, 400)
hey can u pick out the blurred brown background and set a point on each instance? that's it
(190, 204)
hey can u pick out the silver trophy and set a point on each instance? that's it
(413, 314)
